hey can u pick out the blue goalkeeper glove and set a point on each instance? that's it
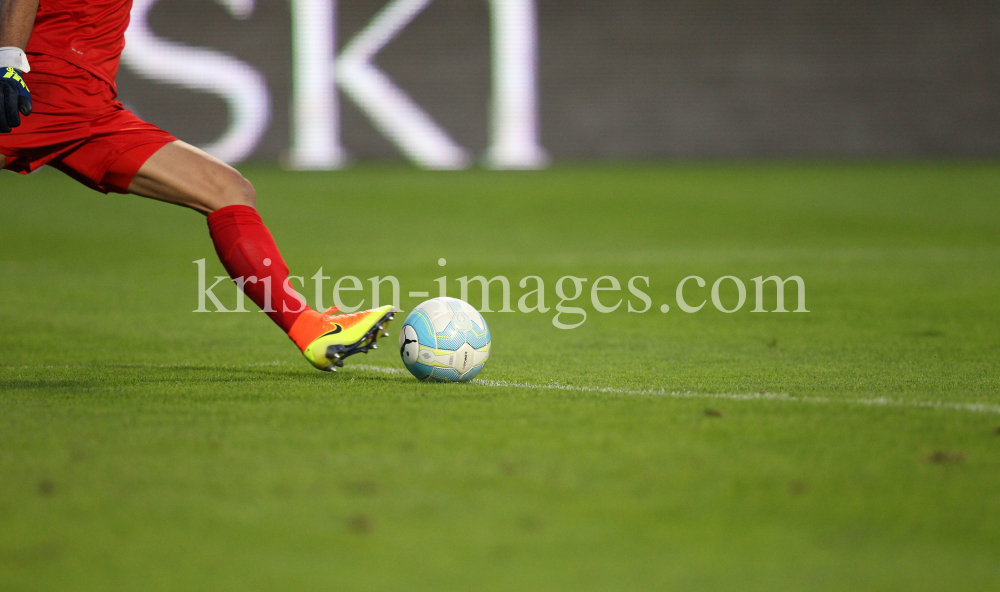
(16, 99)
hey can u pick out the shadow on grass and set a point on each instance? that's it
(59, 385)
(118, 375)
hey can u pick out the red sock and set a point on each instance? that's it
(247, 250)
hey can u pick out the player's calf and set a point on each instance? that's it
(181, 174)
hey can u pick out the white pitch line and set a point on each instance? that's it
(382, 369)
(875, 402)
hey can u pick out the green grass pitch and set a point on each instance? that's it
(854, 447)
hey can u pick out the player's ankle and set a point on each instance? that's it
(303, 330)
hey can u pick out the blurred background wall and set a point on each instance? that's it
(585, 79)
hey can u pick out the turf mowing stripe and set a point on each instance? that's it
(875, 402)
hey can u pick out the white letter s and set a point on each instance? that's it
(242, 87)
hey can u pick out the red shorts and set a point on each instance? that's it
(78, 127)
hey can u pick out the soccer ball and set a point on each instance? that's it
(444, 340)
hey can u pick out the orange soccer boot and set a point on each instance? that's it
(327, 338)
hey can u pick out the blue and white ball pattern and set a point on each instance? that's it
(444, 340)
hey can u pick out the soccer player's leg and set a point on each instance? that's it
(182, 174)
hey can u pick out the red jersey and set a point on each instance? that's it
(89, 34)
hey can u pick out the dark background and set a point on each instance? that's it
(645, 79)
